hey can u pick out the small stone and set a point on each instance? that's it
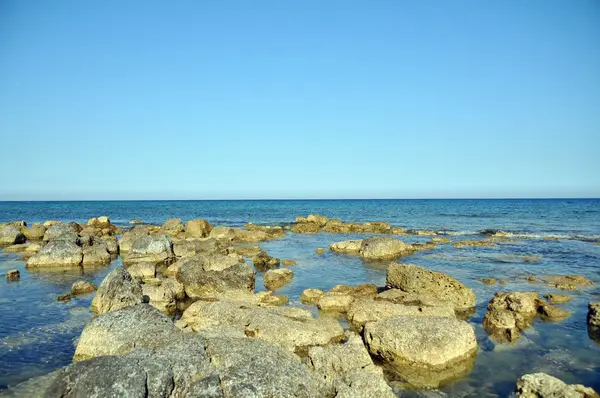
(557, 298)
(320, 250)
(64, 297)
(276, 278)
(13, 275)
(289, 263)
(489, 281)
(83, 287)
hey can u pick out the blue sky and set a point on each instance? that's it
(304, 99)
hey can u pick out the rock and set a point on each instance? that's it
(223, 233)
(542, 385)
(10, 235)
(311, 296)
(173, 269)
(49, 223)
(188, 248)
(306, 228)
(112, 243)
(172, 226)
(335, 302)
(136, 221)
(205, 274)
(95, 252)
(64, 297)
(366, 310)
(263, 261)
(118, 290)
(568, 282)
(164, 296)
(593, 321)
(552, 313)
(346, 247)
(130, 236)
(291, 328)
(411, 278)
(474, 243)
(320, 250)
(36, 232)
(440, 240)
(424, 351)
(275, 278)
(289, 263)
(246, 251)
(149, 248)
(260, 299)
(422, 299)
(102, 221)
(557, 298)
(365, 290)
(82, 287)
(13, 275)
(383, 248)
(489, 281)
(57, 230)
(142, 270)
(57, 253)
(121, 331)
(198, 228)
(317, 219)
(349, 369)
(510, 313)
(377, 227)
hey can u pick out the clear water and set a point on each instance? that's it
(37, 333)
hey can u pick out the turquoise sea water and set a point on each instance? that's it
(37, 333)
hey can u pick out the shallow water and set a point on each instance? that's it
(37, 333)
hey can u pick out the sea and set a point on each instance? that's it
(38, 334)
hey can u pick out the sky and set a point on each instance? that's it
(299, 99)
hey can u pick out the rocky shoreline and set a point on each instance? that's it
(181, 318)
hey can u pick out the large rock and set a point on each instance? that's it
(118, 290)
(411, 278)
(593, 320)
(197, 228)
(291, 328)
(335, 302)
(57, 253)
(275, 278)
(366, 310)
(423, 351)
(223, 233)
(262, 261)
(349, 369)
(542, 385)
(142, 270)
(205, 274)
(164, 296)
(120, 332)
(172, 226)
(150, 248)
(11, 235)
(112, 243)
(306, 228)
(57, 230)
(82, 287)
(510, 313)
(36, 232)
(383, 248)
(346, 247)
(95, 252)
(130, 236)
(187, 248)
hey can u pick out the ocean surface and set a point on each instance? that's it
(38, 334)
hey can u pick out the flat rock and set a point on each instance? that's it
(567, 282)
(145, 270)
(57, 253)
(335, 302)
(346, 247)
(383, 248)
(118, 290)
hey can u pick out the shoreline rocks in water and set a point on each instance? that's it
(13, 275)
(538, 385)
(593, 321)
(275, 278)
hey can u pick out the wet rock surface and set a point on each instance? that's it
(541, 385)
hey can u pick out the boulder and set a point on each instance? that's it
(148, 248)
(542, 385)
(223, 233)
(36, 232)
(197, 228)
(172, 226)
(311, 296)
(49, 223)
(291, 328)
(335, 302)
(118, 290)
(383, 248)
(57, 230)
(275, 278)
(349, 369)
(262, 261)
(57, 253)
(10, 235)
(164, 296)
(112, 243)
(510, 313)
(121, 331)
(411, 278)
(13, 275)
(204, 274)
(366, 310)
(306, 228)
(130, 236)
(142, 270)
(95, 252)
(424, 351)
(346, 247)
(173, 269)
(82, 287)
(317, 219)
(593, 320)
(187, 248)
(246, 251)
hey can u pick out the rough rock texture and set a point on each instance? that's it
(552, 313)
(57, 253)
(164, 296)
(82, 287)
(510, 313)
(291, 328)
(366, 310)
(542, 385)
(13, 275)
(288, 263)
(335, 302)
(411, 278)
(346, 247)
(424, 351)
(364, 290)
(306, 228)
(95, 252)
(568, 282)
(557, 298)
(349, 369)
(204, 274)
(149, 248)
(112, 243)
(118, 290)
(172, 226)
(383, 248)
(28, 248)
(190, 247)
(473, 243)
(142, 270)
(593, 320)
(36, 232)
(57, 230)
(11, 235)
(198, 228)
(223, 233)
(262, 261)
(275, 278)
(311, 296)
(130, 236)
(120, 331)
(246, 251)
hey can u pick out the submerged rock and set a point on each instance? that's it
(383, 248)
(542, 385)
(411, 278)
(552, 313)
(320, 250)
(118, 290)
(568, 282)
(13, 275)
(275, 278)
(288, 263)
(474, 243)
(423, 351)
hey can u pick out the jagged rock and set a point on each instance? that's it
(10, 235)
(149, 248)
(36, 232)
(383, 248)
(291, 328)
(82, 287)
(198, 228)
(510, 313)
(57, 253)
(142, 270)
(204, 274)
(424, 351)
(13, 275)
(130, 236)
(172, 226)
(557, 298)
(552, 313)
(275, 278)
(542, 385)
(346, 247)
(311, 296)
(164, 296)
(263, 261)
(411, 278)
(118, 290)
